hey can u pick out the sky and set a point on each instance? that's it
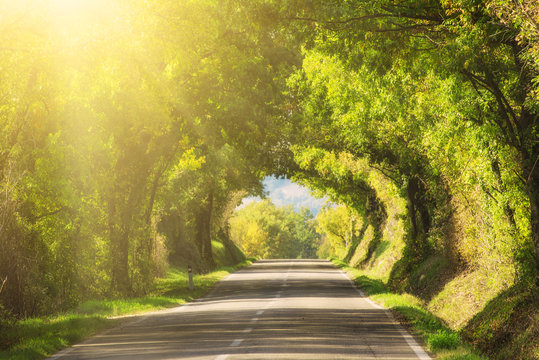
(284, 192)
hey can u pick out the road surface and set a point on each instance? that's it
(274, 309)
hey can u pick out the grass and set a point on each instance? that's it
(508, 325)
(440, 340)
(37, 338)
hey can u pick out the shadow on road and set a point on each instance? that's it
(271, 310)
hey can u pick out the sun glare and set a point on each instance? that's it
(69, 19)
(76, 20)
(79, 10)
(68, 7)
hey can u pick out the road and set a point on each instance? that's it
(274, 309)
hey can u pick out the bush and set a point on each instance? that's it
(443, 339)
(464, 357)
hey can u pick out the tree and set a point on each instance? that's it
(340, 225)
(397, 56)
(263, 230)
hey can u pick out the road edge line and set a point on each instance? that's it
(408, 337)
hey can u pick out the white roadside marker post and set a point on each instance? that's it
(190, 272)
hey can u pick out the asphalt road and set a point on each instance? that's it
(274, 309)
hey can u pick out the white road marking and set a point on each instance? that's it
(221, 357)
(236, 342)
(269, 305)
(260, 312)
(254, 320)
(248, 330)
(417, 349)
(421, 354)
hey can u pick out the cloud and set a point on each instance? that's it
(284, 192)
(272, 183)
(246, 201)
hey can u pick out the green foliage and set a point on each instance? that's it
(440, 99)
(465, 357)
(128, 129)
(443, 340)
(265, 231)
(115, 120)
(341, 226)
(430, 115)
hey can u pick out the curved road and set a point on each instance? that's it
(274, 309)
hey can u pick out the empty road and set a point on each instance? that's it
(274, 309)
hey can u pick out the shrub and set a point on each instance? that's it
(443, 339)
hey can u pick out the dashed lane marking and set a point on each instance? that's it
(236, 342)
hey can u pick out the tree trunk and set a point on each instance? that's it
(418, 216)
(356, 240)
(532, 189)
(119, 255)
(203, 230)
(120, 282)
(508, 211)
(534, 206)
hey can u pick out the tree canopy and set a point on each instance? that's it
(132, 129)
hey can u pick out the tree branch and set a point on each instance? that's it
(532, 170)
(383, 171)
(54, 212)
(402, 28)
(504, 109)
(345, 21)
(3, 284)
(435, 20)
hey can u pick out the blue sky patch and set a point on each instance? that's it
(283, 192)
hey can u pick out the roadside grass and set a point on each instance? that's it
(440, 340)
(37, 338)
(508, 326)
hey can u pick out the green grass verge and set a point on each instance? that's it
(508, 326)
(439, 339)
(38, 338)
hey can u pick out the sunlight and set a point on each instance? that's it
(69, 7)
(77, 17)
(68, 20)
